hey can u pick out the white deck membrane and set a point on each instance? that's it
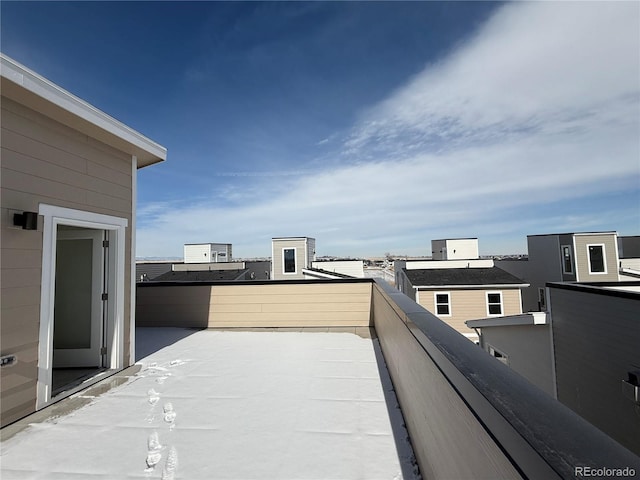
(230, 405)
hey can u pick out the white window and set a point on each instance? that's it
(289, 260)
(443, 304)
(494, 303)
(567, 259)
(498, 355)
(597, 259)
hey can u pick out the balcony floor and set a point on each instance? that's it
(229, 405)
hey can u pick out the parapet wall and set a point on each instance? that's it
(468, 415)
(255, 304)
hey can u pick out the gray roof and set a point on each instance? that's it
(335, 274)
(199, 276)
(461, 276)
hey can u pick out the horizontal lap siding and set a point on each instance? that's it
(46, 162)
(582, 258)
(470, 304)
(282, 305)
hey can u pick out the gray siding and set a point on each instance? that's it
(596, 342)
(567, 240)
(529, 351)
(629, 247)
(545, 265)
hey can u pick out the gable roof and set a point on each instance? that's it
(462, 277)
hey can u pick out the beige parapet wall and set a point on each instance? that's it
(287, 304)
(447, 438)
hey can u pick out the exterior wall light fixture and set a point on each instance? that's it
(26, 220)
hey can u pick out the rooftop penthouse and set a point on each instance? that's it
(467, 415)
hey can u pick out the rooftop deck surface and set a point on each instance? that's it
(229, 405)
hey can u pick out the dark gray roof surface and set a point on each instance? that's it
(462, 276)
(199, 276)
(335, 274)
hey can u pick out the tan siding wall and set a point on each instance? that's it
(582, 257)
(278, 270)
(470, 304)
(280, 305)
(46, 162)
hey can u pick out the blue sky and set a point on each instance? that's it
(372, 126)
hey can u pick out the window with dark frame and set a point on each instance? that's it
(567, 259)
(289, 255)
(443, 304)
(494, 303)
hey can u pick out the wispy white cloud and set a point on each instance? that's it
(541, 105)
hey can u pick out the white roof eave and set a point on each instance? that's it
(36, 92)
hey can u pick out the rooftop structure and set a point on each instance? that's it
(67, 228)
(289, 255)
(207, 252)
(564, 257)
(455, 249)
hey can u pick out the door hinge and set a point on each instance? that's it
(105, 296)
(105, 243)
(103, 351)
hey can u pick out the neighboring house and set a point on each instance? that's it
(352, 268)
(459, 294)
(596, 342)
(289, 255)
(565, 257)
(584, 351)
(202, 276)
(68, 197)
(207, 252)
(523, 342)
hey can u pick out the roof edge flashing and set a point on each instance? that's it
(147, 150)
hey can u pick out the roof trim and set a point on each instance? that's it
(577, 234)
(599, 288)
(479, 286)
(455, 238)
(147, 151)
(531, 318)
(292, 238)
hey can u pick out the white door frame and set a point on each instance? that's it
(116, 227)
